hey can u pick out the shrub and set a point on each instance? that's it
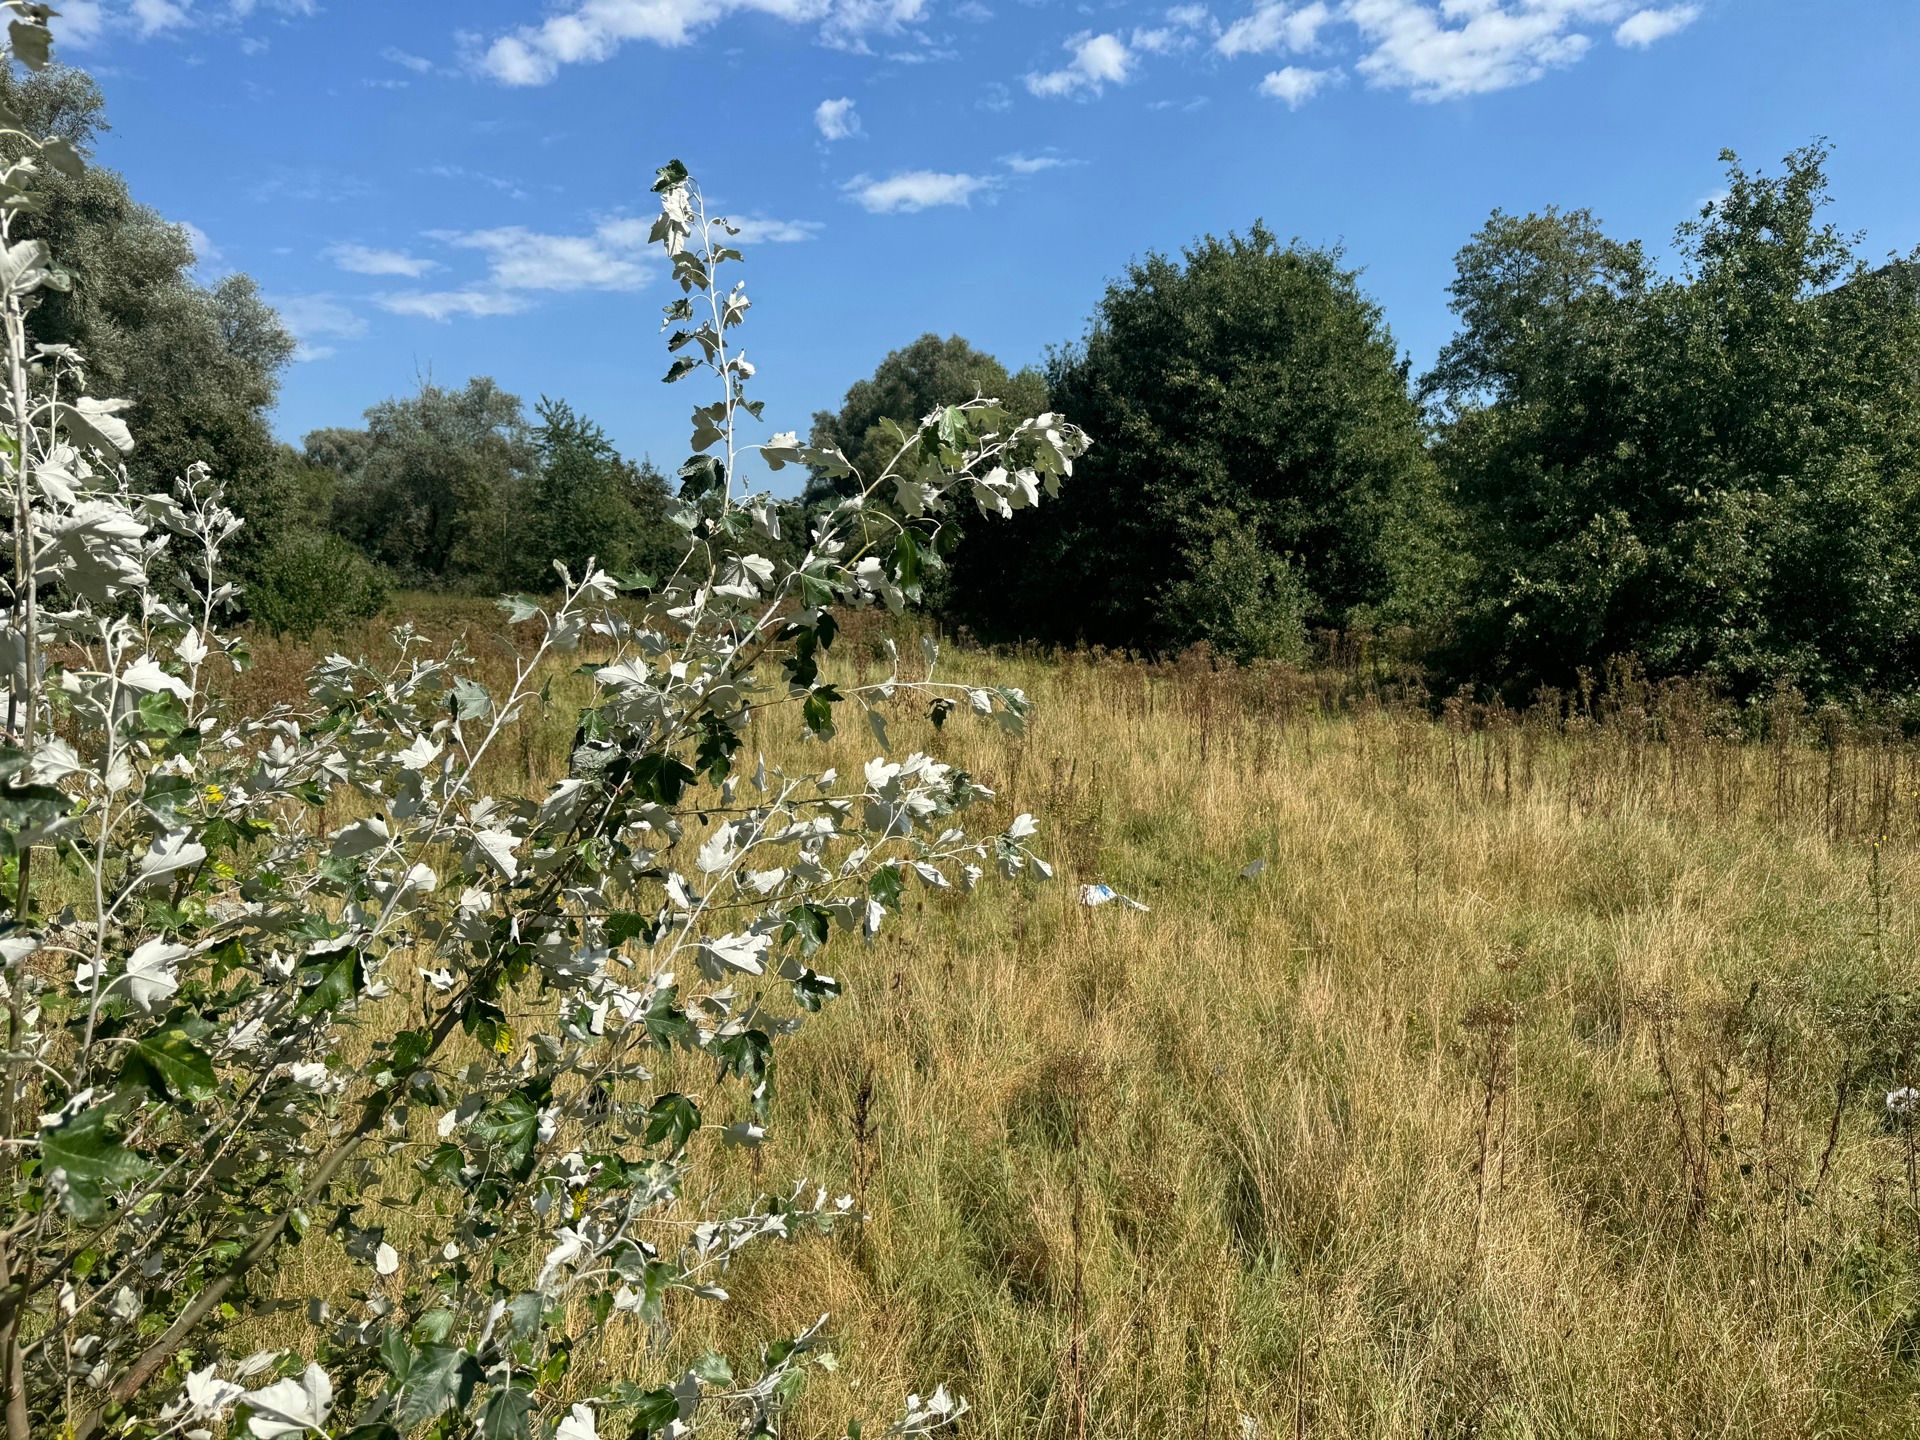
(313, 581)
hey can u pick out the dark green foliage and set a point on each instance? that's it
(200, 363)
(433, 487)
(586, 501)
(1258, 467)
(1719, 471)
(908, 385)
(310, 581)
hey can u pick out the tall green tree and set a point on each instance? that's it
(1715, 470)
(906, 386)
(1260, 466)
(201, 363)
(585, 500)
(436, 485)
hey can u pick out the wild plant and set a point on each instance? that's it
(229, 1027)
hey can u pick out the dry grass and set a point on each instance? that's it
(1502, 1102)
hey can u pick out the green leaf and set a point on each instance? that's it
(654, 1412)
(884, 886)
(674, 1118)
(713, 1369)
(507, 1415)
(508, 1129)
(168, 1061)
(332, 978)
(92, 1158)
(817, 709)
(624, 925)
(439, 1378)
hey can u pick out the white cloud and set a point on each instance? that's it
(85, 23)
(523, 259)
(82, 22)
(1192, 17)
(1096, 61)
(913, 190)
(1021, 164)
(522, 262)
(512, 189)
(836, 119)
(1472, 47)
(758, 230)
(1161, 40)
(995, 99)
(1295, 85)
(1273, 26)
(443, 305)
(153, 16)
(593, 30)
(1643, 27)
(314, 318)
(366, 260)
(418, 64)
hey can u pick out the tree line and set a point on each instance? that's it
(1712, 464)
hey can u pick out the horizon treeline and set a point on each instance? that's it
(1713, 466)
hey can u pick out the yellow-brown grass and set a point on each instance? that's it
(1501, 1102)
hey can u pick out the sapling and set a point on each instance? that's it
(230, 1026)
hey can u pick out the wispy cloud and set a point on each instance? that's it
(589, 31)
(1433, 49)
(367, 260)
(914, 190)
(507, 186)
(418, 64)
(1094, 62)
(88, 23)
(444, 305)
(1023, 164)
(758, 230)
(1645, 27)
(1272, 27)
(836, 119)
(315, 319)
(523, 264)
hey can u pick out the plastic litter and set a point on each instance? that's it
(1252, 872)
(1106, 894)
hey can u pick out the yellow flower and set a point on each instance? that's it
(215, 795)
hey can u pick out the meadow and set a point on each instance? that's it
(1472, 1072)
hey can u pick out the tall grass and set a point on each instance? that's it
(1536, 1086)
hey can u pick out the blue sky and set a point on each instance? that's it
(446, 190)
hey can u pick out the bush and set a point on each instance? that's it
(314, 581)
(1243, 601)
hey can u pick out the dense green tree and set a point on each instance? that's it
(586, 501)
(200, 363)
(909, 384)
(437, 484)
(1717, 470)
(1259, 466)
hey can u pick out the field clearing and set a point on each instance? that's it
(1535, 1087)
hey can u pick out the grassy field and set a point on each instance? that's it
(1535, 1087)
